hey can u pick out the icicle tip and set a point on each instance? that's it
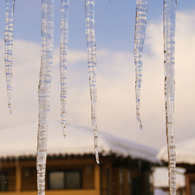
(10, 111)
(140, 125)
(10, 108)
(97, 158)
(139, 121)
(64, 130)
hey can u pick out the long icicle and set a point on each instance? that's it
(91, 49)
(139, 36)
(47, 28)
(169, 86)
(8, 39)
(63, 59)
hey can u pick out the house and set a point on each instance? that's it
(185, 155)
(125, 167)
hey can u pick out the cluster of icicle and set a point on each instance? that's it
(47, 39)
(47, 36)
(47, 28)
(169, 18)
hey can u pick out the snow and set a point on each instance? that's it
(161, 177)
(159, 192)
(21, 142)
(184, 152)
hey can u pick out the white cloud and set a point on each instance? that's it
(115, 82)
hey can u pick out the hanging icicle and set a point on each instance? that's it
(91, 49)
(47, 28)
(169, 86)
(8, 39)
(139, 36)
(63, 59)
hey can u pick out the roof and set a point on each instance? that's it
(185, 152)
(21, 142)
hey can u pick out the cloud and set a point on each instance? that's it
(115, 83)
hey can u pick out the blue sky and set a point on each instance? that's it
(115, 69)
(114, 21)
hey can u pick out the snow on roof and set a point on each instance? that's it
(21, 142)
(185, 152)
(161, 177)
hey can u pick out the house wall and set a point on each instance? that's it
(125, 178)
(21, 176)
(29, 178)
(108, 178)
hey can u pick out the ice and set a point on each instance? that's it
(91, 50)
(47, 28)
(63, 59)
(140, 28)
(8, 39)
(169, 86)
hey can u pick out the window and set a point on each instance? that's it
(56, 180)
(135, 186)
(3, 181)
(64, 180)
(129, 178)
(121, 180)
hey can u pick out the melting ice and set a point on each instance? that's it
(169, 86)
(91, 50)
(140, 28)
(47, 28)
(63, 59)
(8, 39)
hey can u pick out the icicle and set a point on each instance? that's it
(8, 39)
(63, 59)
(140, 28)
(169, 86)
(91, 49)
(47, 27)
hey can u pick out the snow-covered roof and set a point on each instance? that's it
(21, 142)
(161, 177)
(185, 152)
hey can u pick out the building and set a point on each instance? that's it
(125, 167)
(185, 155)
